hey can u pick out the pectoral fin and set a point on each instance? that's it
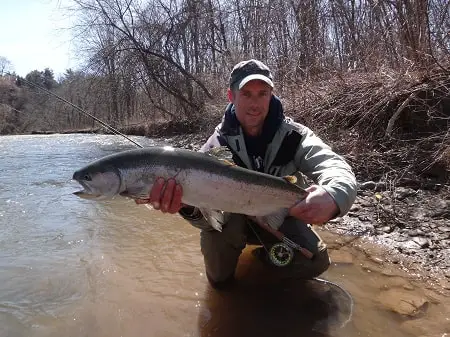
(135, 193)
(221, 152)
(275, 220)
(215, 218)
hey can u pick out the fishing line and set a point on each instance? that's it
(346, 294)
(109, 127)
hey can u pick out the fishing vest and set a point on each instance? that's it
(279, 159)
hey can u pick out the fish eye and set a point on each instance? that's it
(87, 177)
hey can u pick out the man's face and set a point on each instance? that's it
(252, 105)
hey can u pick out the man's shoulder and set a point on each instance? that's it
(289, 125)
(213, 140)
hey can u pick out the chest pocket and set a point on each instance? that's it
(236, 159)
(283, 163)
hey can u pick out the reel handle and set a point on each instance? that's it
(280, 236)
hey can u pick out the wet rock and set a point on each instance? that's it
(395, 282)
(375, 259)
(409, 245)
(391, 271)
(432, 296)
(401, 238)
(387, 204)
(403, 302)
(442, 213)
(370, 268)
(412, 232)
(422, 327)
(355, 208)
(408, 286)
(444, 283)
(364, 217)
(387, 229)
(422, 242)
(395, 260)
(368, 185)
(381, 186)
(366, 203)
(420, 232)
(341, 257)
(402, 193)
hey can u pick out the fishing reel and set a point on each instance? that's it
(280, 254)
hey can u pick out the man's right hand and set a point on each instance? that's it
(165, 196)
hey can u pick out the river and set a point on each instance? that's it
(74, 267)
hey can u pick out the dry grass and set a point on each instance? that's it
(385, 124)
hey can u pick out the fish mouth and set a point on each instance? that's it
(85, 194)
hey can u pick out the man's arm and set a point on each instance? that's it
(329, 170)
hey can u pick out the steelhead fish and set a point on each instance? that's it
(212, 184)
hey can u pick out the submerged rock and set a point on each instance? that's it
(422, 242)
(341, 257)
(403, 302)
(368, 185)
(402, 193)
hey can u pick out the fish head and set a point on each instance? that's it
(98, 181)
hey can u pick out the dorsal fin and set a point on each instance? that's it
(227, 162)
(222, 153)
(290, 179)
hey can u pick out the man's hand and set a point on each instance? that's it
(164, 196)
(317, 208)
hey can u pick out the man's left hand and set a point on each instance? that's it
(317, 208)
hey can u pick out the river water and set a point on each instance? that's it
(73, 267)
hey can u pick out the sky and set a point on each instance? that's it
(34, 35)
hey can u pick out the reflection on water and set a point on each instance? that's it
(262, 305)
(73, 267)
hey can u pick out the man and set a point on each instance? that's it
(261, 138)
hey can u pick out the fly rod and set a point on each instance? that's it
(109, 127)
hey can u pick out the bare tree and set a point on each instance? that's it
(5, 66)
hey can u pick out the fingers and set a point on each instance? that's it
(165, 196)
(141, 201)
(310, 212)
(299, 210)
(318, 207)
(155, 193)
(175, 205)
(312, 188)
(302, 208)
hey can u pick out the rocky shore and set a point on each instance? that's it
(411, 224)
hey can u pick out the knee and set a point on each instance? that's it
(221, 251)
(232, 236)
(320, 263)
(304, 268)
